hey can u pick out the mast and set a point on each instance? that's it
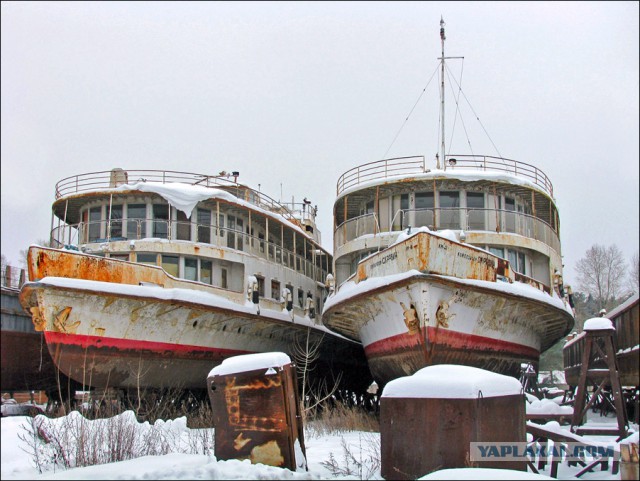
(442, 39)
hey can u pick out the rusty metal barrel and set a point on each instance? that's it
(435, 419)
(256, 410)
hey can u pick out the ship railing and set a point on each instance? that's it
(492, 220)
(114, 178)
(96, 238)
(382, 169)
(12, 277)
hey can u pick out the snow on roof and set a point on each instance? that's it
(185, 197)
(597, 323)
(462, 174)
(185, 295)
(182, 196)
(251, 362)
(451, 381)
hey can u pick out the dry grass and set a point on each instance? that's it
(338, 417)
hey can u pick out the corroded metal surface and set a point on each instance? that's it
(445, 438)
(104, 336)
(436, 255)
(457, 323)
(257, 417)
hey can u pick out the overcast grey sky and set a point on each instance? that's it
(293, 94)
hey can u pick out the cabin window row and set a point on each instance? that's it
(419, 208)
(222, 274)
(104, 222)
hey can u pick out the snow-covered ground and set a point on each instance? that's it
(17, 463)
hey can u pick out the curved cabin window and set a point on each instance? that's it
(475, 210)
(191, 268)
(510, 214)
(400, 208)
(136, 221)
(449, 210)
(146, 258)
(170, 264)
(160, 220)
(231, 236)
(183, 226)
(204, 226)
(424, 209)
(115, 223)
(206, 271)
(95, 222)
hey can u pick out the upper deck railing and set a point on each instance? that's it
(114, 178)
(383, 169)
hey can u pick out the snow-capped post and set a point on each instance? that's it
(477, 411)
(256, 411)
(599, 367)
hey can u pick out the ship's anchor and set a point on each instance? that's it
(60, 321)
(443, 315)
(411, 318)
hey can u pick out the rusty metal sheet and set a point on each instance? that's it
(445, 438)
(432, 254)
(257, 416)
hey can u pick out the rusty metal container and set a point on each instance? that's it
(429, 420)
(256, 410)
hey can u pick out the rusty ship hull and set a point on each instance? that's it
(429, 300)
(136, 327)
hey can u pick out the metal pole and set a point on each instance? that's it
(442, 39)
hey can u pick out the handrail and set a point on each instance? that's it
(490, 220)
(383, 169)
(114, 178)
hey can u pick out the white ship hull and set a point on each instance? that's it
(161, 334)
(407, 319)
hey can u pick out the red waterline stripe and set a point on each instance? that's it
(84, 342)
(453, 339)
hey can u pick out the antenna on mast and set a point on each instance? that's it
(442, 39)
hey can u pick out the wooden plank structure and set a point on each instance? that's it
(599, 369)
(544, 435)
(529, 380)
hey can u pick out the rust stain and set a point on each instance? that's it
(61, 324)
(233, 394)
(38, 321)
(443, 315)
(268, 453)
(108, 302)
(411, 318)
